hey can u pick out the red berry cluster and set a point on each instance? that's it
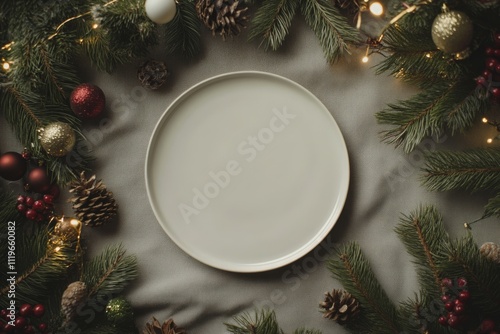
(455, 301)
(490, 78)
(36, 209)
(26, 320)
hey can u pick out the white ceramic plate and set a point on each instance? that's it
(247, 171)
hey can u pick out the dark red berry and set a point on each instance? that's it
(20, 322)
(459, 309)
(491, 63)
(31, 214)
(447, 282)
(454, 321)
(489, 51)
(38, 310)
(449, 306)
(443, 320)
(464, 295)
(481, 81)
(21, 199)
(461, 282)
(29, 330)
(42, 327)
(495, 92)
(487, 325)
(48, 199)
(497, 68)
(26, 155)
(39, 206)
(7, 328)
(445, 298)
(21, 208)
(487, 74)
(25, 310)
(29, 201)
(4, 313)
(496, 38)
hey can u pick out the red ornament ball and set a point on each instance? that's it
(39, 180)
(12, 166)
(87, 101)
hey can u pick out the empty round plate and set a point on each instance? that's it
(247, 171)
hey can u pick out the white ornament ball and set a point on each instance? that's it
(161, 11)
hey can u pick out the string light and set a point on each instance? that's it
(489, 140)
(6, 66)
(376, 8)
(57, 249)
(95, 26)
(485, 120)
(365, 59)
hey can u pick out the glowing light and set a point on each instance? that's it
(365, 59)
(485, 120)
(428, 55)
(490, 140)
(6, 66)
(95, 26)
(376, 8)
(80, 40)
(75, 222)
(57, 249)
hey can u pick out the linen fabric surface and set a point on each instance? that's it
(384, 183)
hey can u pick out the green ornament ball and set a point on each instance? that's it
(119, 311)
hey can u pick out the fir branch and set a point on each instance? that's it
(110, 272)
(263, 322)
(272, 22)
(353, 270)
(331, 28)
(429, 112)
(463, 259)
(423, 234)
(493, 207)
(472, 170)
(182, 34)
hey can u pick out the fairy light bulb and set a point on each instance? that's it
(489, 140)
(485, 120)
(365, 59)
(376, 8)
(95, 26)
(6, 66)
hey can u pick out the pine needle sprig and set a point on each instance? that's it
(183, 33)
(353, 270)
(272, 21)
(463, 259)
(109, 273)
(471, 170)
(331, 27)
(423, 234)
(263, 322)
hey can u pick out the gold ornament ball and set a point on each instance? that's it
(67, 228)
(57, 139)
(452, 31)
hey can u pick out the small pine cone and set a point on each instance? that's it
(491, 251)
(340, 306)
(168, 327)
(74, 294)
(223, 17)
(93, 204)
(152, 74)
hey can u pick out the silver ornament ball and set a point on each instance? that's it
(452, 31)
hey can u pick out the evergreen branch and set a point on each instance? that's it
(261, 323)
(463, 259)
(472, 170)
(423, 234)
(182, 34)
(331, 28)
(110, 272)
(272, 22)
(429, 112)
(353, 270)
(493, 207)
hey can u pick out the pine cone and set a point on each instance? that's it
(93, 204)
(152, 74)
(491, 251)
(340, 306)
(168, 327)
(74, 294)
(223, 17)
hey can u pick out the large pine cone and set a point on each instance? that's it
(168, 327)
(340, 306)
(491, 251)
(73, 296)
(93, 204)
(223, 17)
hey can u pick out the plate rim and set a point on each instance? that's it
(281, 261)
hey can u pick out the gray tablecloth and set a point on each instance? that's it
(384, 183)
